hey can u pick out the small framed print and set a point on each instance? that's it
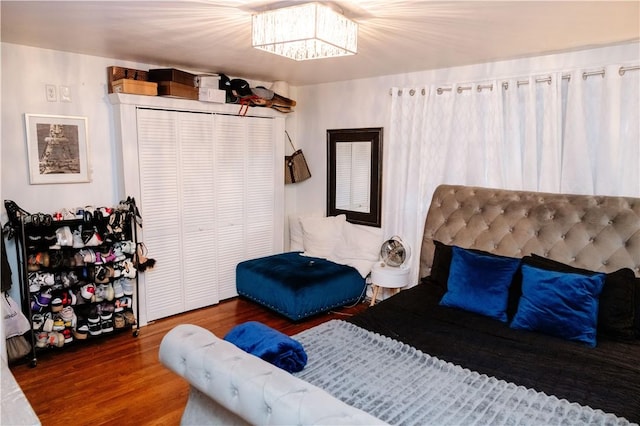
(58, 149)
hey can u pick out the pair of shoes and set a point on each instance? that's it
(68, 336)
(37, 321)
(88, 292)
(104, 292)
(64, 238)
(69, 279)
(88, 255)
(81, 332)
(119, 321)
(94, 325)
(39, 279)
(35, 261)
(129, 318)
(118, 289)
(69, 317)
(52, 338)
(123, 303)
(91, 237)
(105, 273)
(126, 268)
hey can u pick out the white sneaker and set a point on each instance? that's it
(127, 287)
(77, 239)
(118, 288)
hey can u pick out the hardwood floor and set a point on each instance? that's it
(119, 380)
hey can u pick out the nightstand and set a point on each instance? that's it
(388, 277)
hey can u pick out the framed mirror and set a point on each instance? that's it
(354, 175)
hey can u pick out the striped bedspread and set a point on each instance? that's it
(402, 385)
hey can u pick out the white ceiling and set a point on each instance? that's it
(394, 36)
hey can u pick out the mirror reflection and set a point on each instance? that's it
(353, 176)
(354, 173)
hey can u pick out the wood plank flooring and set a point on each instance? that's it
(119, 380)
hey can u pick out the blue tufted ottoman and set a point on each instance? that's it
(298, 286)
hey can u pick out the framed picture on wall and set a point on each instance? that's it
(58, 149)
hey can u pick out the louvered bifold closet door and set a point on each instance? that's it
(245, 194)
(176, 179)
(198, 209)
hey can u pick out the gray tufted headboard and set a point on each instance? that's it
(599, 233)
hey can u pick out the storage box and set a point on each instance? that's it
(209, 94)
(171, 88)
(208, 80)
(118, 73)
(137, 87)
(172, 74)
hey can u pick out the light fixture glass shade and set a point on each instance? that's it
(308, 31)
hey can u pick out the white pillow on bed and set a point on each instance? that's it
(321, 234)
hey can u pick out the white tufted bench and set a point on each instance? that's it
(229, 386)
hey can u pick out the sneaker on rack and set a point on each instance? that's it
(56, 304)
(69, 317)
(118, 254)
(94, 315)
(118, 288)
(68, 335)
(106, 308)
(48, 322)
(129, 318)
(88, 255)
(100, 293)
(55, 338)
(77, 239)
(91, 237)
(95, 329)
(81, 331)
(37, 321)
(108, 256)
(119, 321)
(42, 339)
(122, 304)
(64, 236)
(88, 291)
(127, 269)
(109, 292)
(107, 325)
(127, 286)
(58, 324)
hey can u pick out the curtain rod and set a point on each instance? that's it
(505, 84)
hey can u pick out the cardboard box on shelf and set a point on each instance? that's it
(136, 87)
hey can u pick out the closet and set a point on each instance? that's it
(210, 186)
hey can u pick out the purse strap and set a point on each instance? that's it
(290, 143)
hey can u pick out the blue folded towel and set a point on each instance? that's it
(269, 344)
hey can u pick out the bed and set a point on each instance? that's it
(413, 359)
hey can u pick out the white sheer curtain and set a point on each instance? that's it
(602, 134)
(541, 133)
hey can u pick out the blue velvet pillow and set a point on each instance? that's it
(559, 303)
(480, 283)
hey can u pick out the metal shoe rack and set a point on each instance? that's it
(71, 272)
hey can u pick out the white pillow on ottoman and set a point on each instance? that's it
(321, 234)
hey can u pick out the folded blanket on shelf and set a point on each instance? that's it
(268, 344)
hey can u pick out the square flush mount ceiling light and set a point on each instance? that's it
(307, 31)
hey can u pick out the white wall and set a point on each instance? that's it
(366, 103)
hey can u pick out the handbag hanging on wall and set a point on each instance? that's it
(295, 165)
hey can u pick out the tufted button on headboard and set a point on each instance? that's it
(600, 233)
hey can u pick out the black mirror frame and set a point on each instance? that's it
(373, 135)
